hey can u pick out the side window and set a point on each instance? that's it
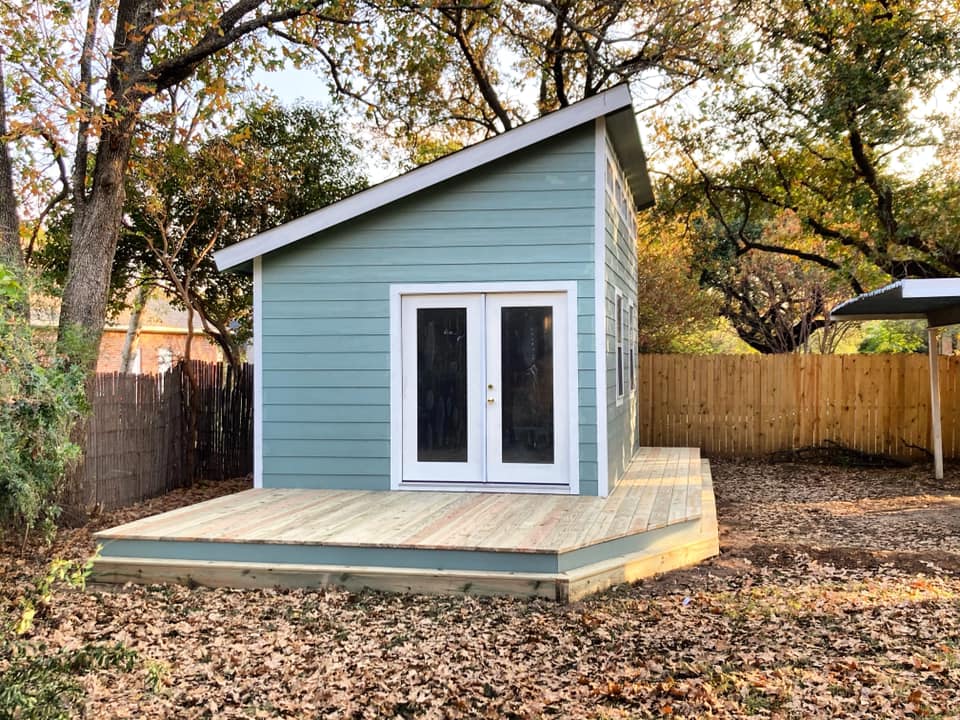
(619, 321)
(632, 335)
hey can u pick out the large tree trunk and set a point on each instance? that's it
(133, 327)
(11, 254)
(93, 243)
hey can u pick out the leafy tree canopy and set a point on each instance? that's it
(185, 202)
(820, 125)
(816, 133)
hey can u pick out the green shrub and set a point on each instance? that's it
(41, 399)
(894, 336)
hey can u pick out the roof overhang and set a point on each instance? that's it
(935, 300)
(614, 104)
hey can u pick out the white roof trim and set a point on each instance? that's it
(425, 176)
(935, 287)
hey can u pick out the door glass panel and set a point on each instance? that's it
(527, 379)
(442, 384)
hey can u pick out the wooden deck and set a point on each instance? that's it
(473, 540)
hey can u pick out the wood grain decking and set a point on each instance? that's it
(661, 516)
(662, 487)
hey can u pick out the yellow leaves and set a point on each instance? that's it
(25, 622)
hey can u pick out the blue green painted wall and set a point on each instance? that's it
(621, 274)
(325, 305)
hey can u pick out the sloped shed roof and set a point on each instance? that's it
(615, 104)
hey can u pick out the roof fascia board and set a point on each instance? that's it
(426, 176)
(931, 287)
(625, 138)
(892, 290)
(877, 316)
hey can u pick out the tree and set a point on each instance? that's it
(894, 336)
(775, 302)
(187, 202)
(469, 69)
(671, 304)
(818, 126)
(95, 69)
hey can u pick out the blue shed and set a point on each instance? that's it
(440, 330)
(445, 386)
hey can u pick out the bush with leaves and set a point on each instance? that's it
(37, 683)
(41, 399)
(894, 336)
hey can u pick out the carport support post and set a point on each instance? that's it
(933, 352)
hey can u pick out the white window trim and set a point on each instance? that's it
(601, 182)
(258, 372)
(619, 323)
(397, 291)
(632, 339)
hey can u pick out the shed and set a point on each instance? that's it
(935, 300)
(445, 387)
(468, 324)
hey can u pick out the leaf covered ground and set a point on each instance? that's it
(836, 596)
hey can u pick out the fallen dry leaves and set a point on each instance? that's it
(813, 610)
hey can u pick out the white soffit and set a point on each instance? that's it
(615, 103)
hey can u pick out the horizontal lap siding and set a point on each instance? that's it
(326, 324)
(621, 274)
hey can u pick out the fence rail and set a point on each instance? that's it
(136, 438)
(742, 405)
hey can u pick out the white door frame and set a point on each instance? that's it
(525, 473)
(471, 471)
(397, 291)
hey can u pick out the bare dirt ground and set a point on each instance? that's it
(849, 516)
(837, 594)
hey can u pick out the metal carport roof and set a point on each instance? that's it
(936, 301)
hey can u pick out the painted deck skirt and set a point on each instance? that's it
(661, 516)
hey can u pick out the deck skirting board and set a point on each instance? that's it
(207, 573)
(698, 541)
(277, 554)
(652, 540)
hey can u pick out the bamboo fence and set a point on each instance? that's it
(136, 440)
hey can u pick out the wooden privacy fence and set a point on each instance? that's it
(136, 441)
(742, 405)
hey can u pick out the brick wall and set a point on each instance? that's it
(153, 346)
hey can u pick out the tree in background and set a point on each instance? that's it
(185, 203)
(776, 303)
(80, 79)
(470, 70)
(671, 304)
(188, 198)
(817, 125)
(894, 336)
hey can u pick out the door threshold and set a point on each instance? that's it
(433, 486)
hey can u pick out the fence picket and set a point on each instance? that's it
(751, 405)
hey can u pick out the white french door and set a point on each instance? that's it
(485, 388)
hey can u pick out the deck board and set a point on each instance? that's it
(661, 487)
